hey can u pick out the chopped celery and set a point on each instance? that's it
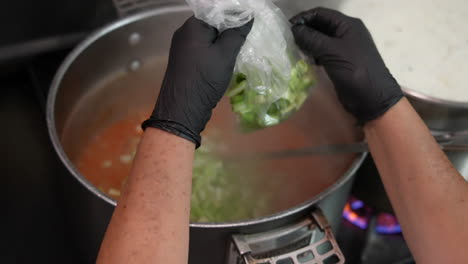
(223, 192)
(258, 107)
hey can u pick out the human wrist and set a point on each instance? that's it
(380, 110)
(390, 115)
(174, 129)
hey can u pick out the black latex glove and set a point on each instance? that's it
(200, 68)
(344, 46)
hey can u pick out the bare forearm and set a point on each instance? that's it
(151, 221)
(429, 196)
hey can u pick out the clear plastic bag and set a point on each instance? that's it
(271, 78)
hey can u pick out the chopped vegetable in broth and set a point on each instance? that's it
(217, 189)
(220, 192)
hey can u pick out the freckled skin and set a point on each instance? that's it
(426, 191)
(162, 171)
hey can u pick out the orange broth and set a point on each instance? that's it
(107, 158)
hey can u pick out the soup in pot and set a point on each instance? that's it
(102, 134)
(222, 191)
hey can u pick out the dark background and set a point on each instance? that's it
(29, 27)
(35, 37)
(23, 20)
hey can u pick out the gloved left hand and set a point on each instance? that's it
(200, 68)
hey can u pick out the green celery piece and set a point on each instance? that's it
(250, 103)
(250, 117)
(302, 66)
(236, 89)
(241, 107)
(240, 77)
(274, 111)
(238, 98)
(278, 107)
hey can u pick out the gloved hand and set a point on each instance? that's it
(200, 68)
(344, 46)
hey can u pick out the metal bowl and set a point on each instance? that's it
(441, 116)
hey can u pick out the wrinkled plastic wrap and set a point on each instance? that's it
(271, 79)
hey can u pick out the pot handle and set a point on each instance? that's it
(309, 241)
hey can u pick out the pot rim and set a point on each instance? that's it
(434, 100)
(50, 118)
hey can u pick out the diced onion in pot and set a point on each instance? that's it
(126, 159)
(114, 192)
(138, 129)
(106, 164)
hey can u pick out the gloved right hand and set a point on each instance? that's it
(344, 46)
(200, 68)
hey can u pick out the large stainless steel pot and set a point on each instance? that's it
(80, 102)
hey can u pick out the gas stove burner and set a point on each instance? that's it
(359, 214)
(387, 224)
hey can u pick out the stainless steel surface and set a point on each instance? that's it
(310, 241)
(338, 149)
(126, 50)
(459, 161)
(329, 149)
(129, 7)
(441, 116)
(293, 7)
(454, 148)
